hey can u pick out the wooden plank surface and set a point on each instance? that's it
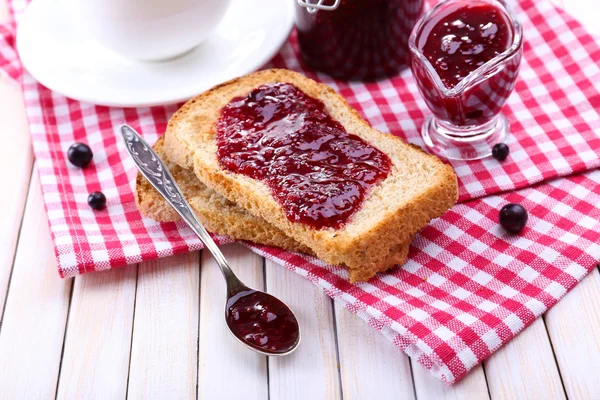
(100, 318)
(574, 329)
(471, 387)
(34, 321)
(225, 368)
(311, 371)
(18, 159)
(164, 353)
(367, 359)
(524, 368)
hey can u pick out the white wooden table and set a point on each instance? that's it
(156, 330)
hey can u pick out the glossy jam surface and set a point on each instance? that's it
(317, 171)
(457, 38)
(464, 38)
(361, 39)
(262, 321)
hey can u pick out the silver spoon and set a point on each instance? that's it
(260, 321)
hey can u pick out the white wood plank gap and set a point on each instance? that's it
(471, 387)
(18, 159)
(310, 372)
(525, 368)
(165, 330)
(574, 329)
(223, 360)
(95, 363)
(36, 311)
(371, 366)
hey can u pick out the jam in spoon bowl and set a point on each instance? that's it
(256, 319)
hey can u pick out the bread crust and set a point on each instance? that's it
(419, 188)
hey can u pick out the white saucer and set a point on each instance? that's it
(66, 60)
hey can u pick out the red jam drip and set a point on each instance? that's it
(317, 171)
(464, 37)
(262, 321)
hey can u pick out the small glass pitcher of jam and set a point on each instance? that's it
(465, 56)
(356, 39)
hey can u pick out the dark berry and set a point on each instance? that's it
(80, 154)
(500, 151)
(513, 217)
(97, 200)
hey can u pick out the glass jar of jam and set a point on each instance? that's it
(465, 58)
(356, 39)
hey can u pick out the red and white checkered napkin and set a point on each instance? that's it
(468, 287)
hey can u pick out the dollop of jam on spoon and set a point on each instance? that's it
(262, 321)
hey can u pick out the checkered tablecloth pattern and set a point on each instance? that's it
(468, 286)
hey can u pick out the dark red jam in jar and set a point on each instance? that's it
(262, 321)
(458, 38)
(360, 39)
(464, 39)
(316, 170)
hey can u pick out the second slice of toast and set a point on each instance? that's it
(419, 187)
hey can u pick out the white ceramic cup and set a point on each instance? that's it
(148, 29)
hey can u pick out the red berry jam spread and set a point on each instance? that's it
(262, 321)
(317, 171)
(361, 39)
(464, 37)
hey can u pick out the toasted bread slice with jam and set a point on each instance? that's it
(218, 214)
(418, 188)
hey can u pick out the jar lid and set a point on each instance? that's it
(313, 6)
